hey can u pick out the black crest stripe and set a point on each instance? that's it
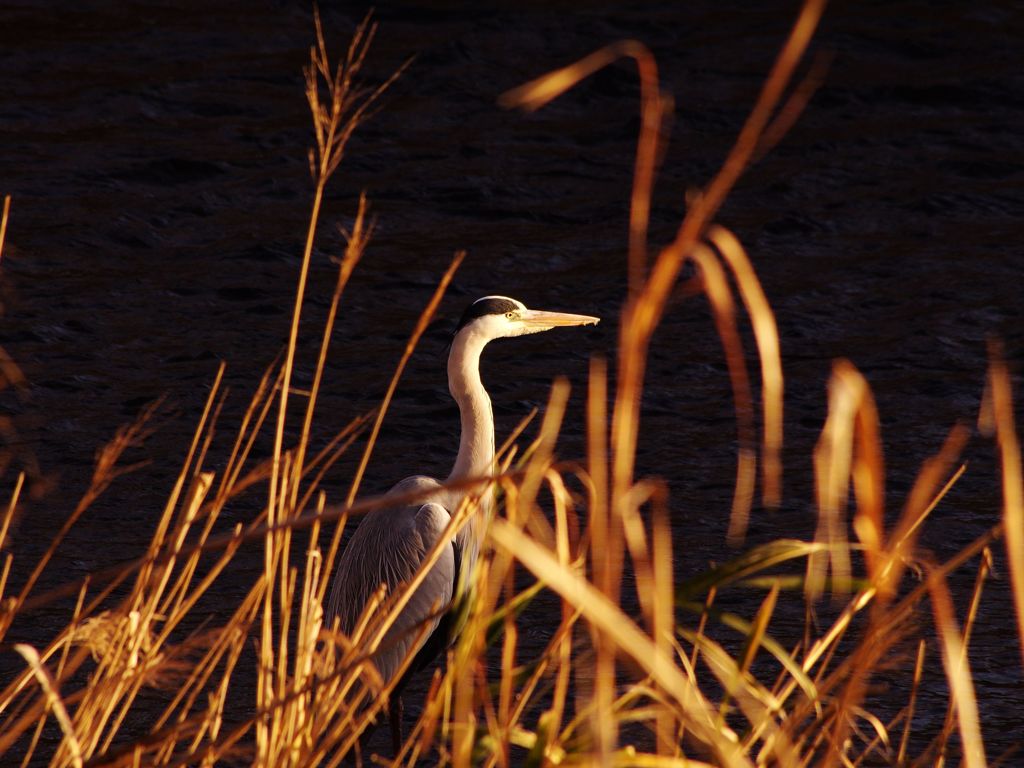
(483, 307)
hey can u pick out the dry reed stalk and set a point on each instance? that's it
(54, 702)
(954, 660)
(757, 634)
(833, 466)
(921, 501)
(159, 597)
(716, 288)
(1013, 483)
(140, 652)
(105, 472)
(655, 107)
(664, 625)
(356, 242)
(115, 575)
(421, 325)
(522, 512)
(542, 455)
(702, 625)
(154, 581)
(984, 568)
(606, 558)
(559, 651)
(766, 334)
(232, 482)
(333, 126)
(7, 616)
(229, 643)
(850, 448)
(3, 223)
(901, 754)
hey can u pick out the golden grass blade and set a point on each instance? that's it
(716, 287)
(606, 554)
(788, 113)
(901, 755)
(204, 423)
(833, 461)
(535, 94)
(939, 497)
(53, 700)
(954, 660)
(751, 644)
(760, 558)
(541, 455)
(105, 472)
(766, 334)
(881, 732)
(756, 702)
(356, 242)
(663, 627)
(3, 222)
(332, 128)
(921, 501)
(260, 403)
(12, 505)
(868, 473)
(639, 551)
(1013, 483)
(705, 612)
(897, 614)
(708, 202)
(758, 628)
(984, 568)
(610, 620)
(654, 108)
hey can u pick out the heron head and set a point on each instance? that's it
(496, 317)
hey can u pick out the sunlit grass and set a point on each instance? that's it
(681, 683)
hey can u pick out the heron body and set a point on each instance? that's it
(391, 542)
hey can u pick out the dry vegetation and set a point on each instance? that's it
(606, 676)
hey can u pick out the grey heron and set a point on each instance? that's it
(391, 542)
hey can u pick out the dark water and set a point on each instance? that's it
(156, 157)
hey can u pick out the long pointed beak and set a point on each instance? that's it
(539, 320)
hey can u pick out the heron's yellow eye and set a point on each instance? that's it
(510, 315)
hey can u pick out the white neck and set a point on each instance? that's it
(476, 445)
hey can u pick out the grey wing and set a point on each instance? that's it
(387, 548)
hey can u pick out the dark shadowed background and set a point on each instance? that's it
(156, 155)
